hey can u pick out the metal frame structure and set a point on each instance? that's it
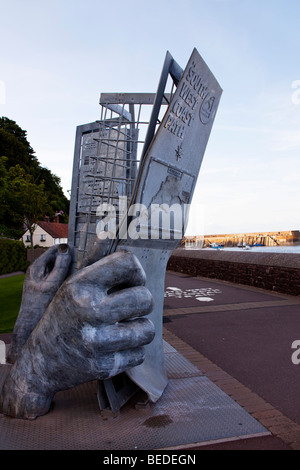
(108, 153)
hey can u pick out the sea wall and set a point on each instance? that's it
(279, 272)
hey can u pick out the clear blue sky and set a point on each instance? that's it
(58, 56)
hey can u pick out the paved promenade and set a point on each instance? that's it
(240, 337)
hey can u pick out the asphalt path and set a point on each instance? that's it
(247, 332)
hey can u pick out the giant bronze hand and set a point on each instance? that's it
(91, 330)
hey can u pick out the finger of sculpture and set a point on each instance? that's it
(118, 269)
(122, 360)
(117, 337)
(127, 303)
(43, 279)
(110, 308)
(51, 266)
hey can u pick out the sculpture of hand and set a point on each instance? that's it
(42, 281)
(91, 330)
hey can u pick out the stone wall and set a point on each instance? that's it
(277, 272)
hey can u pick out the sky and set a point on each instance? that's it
(58, 56)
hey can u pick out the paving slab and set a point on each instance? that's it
(191, 411)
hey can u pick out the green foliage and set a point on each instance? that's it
(15, 146)
(26, 198)
(54, 193)
(10, 232)
(21, 200)
(10, 301)
(12, 128)
(28, 191)
(13, 256)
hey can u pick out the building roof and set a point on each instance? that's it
(54, 229)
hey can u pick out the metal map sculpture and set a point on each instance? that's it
(92, 309)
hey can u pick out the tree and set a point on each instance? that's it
(23, 201)
(8, 227)
(21, 168)
(15, 146)
(29, 203)
(3, 187)
(53, 191)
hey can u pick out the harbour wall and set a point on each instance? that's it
(282, 238)
(278, 272)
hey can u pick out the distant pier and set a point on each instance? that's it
(282, 238)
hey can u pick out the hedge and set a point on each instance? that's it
(13, 256)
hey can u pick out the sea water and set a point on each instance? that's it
(260, 249)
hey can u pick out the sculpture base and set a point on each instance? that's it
(113, 393)
(192, 410)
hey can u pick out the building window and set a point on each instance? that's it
(43, 238)
(27, 239)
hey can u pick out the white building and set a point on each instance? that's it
(47, 234)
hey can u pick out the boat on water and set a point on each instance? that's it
(216, 246)
(244, 246)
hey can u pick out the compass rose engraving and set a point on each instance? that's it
(178, 152)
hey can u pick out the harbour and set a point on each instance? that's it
(257, 249)
(273, 242)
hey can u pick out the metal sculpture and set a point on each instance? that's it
(119, 244)
(87, 332)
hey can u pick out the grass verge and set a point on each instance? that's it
(10, 301)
